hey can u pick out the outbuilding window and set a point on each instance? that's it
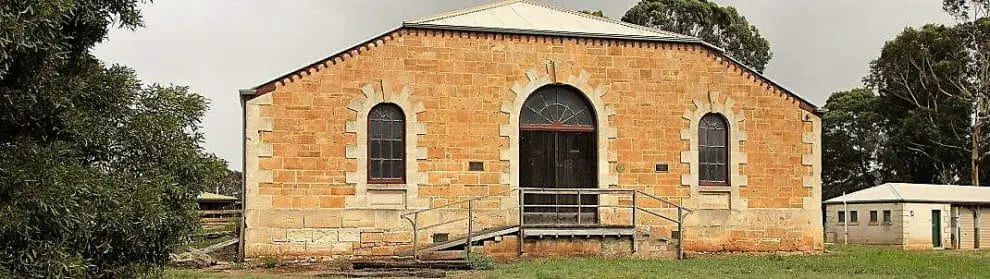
(874, 217)
(853, 216)
(386, 144)
(842, 216)
(886, 217)
(713, 151)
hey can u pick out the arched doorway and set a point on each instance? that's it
(558, 149)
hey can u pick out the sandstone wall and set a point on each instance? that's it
(461, 92)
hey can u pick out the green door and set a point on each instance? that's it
(937, 228)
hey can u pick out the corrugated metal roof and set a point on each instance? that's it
(528, 15)
(207, 196)
(533, 17)
(906, 192)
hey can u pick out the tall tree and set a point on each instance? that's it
(973, 17)
(98, 173)
(853, 140)
(919, 78)
(933, 84)
(717, 25)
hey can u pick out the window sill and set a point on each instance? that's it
(387, 187)
(714, 189)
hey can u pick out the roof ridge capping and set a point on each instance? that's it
(467, 10)
(609, 20)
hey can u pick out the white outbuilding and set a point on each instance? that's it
(912, 216)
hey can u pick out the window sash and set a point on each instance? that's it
(386, 144)
(713, 151)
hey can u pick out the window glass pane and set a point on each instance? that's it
(387, 149)
(720, 173)
(387, 169)
(376, 130)
(842, 216)
(397, 150)
(376, 149)
(886, 216)
(853, 216)
(376, 168)
(397, 130)
(399, 168)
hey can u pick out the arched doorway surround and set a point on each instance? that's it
(558, 149)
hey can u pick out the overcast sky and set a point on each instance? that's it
(219, 46)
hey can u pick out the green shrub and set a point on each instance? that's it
(270, 262)
(480, 262)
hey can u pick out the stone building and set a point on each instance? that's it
(605, 132)
(912, 216)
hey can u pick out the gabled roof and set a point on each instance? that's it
(531, 17)
(526, 16)
(925, 193)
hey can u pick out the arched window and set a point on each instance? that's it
(713, 150)
(386, 144)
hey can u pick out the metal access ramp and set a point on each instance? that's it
(481, 208)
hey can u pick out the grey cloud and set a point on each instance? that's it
(217, 47)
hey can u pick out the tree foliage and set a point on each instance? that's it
(928, 116)
(98, 173)
(717, 25)
(967, 9)
(597, 13)
(920, 78)
(852, 142)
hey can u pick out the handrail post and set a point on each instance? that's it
(635, 207)
(415, 236)
(467, 241)
(522, 235)
(579, 207)
(680, 234)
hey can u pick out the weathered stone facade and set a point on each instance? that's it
(306, 185)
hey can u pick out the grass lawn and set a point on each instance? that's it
(840, 262)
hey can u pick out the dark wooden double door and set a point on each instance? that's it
(558, 154)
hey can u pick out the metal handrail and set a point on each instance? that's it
(681, 212)
(458, 202)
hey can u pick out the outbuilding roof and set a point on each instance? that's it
(213, 197)
(924, 193)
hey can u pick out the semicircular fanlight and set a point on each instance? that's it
(557, 106)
